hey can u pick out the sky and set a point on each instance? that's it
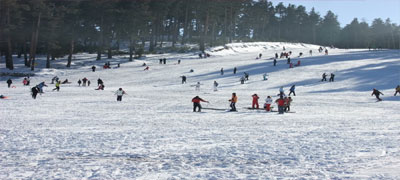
(347, 10)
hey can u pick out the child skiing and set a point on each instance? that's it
(196, 103)
(254, 104)
(268, 102)
(57, 86)
(376, 93)
(119, 94)
(397, 90)
(215, 86)
(292, 90)
(233, 101)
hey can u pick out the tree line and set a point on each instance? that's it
(58, 28)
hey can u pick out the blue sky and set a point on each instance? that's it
(347, 10)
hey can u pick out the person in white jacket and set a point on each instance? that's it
(119, 94)
(268, 102)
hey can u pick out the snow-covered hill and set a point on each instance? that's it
(338, 130)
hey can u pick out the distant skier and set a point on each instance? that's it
(288, 60)
(146, 69)
(242, 79)
(222, 71)
(215, 86)
(41, 85)
(88, 83)
(57, 86)
(310, 52)
(54, 79)
(292, 90)
(234, 70)
(288, 101)
(275, 62)
(377, 94)
(165, 61)
(119, 94)
(233, 101)
(323, 77)
(183, 79)
(99, 81)
(246, 75)
(276, 56)
(28, 81)
(161, 60)
(197, 86)
(84, 80)
(79, 82)
(196, 103)
(9, 82)
(397, 90)
(34, 90)
(254, 104)
(93, 68)
(259, 56)
(25, 82)
(332, 78)
(65, 81)
(265, 76)
(326, 51)
(268, 102)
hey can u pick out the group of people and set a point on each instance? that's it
(331, 78)
(84, 82)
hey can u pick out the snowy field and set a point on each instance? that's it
(338, 130)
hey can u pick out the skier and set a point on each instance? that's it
(55, 78)
(165, 61)
(397, 90)
(326, 51)
(93, 68)
(99, 81)
(119, 94)
(292, 90)
(275, 62)
(323, 77)
(88, 83)
(222, 71)
(332, 78)
(84, 80)
(35, 90)
(259, 56)
(183, 79)
(246, 75)
(160, 61)
(146, 69)
(276, 56)
(234, 70)
(281, 104)
(233, 101)
(57, 86)
(3, 97)
(254, 104)
(9, 82)
(310, 52)
(376, 93)
(28, 81)
(197, 86)
(265, 76)
(41, 85)
(287, 103)
(179, 61)
(215, 86)
(79, 82)
(65, 81)
(25, 82)
(268, 102)
(196, 103)
(288, 60)
(242, 79)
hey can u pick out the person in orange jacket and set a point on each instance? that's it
(196, 103)
(255, 101)
(233, 101)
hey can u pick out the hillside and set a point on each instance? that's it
(338, 130)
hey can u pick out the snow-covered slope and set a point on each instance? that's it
(338, 130)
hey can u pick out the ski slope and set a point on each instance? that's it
(339, 131)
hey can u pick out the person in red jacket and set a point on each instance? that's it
(281, 105)
(196, 103)
(255, 101)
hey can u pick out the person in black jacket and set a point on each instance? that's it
(9, 82)
(376, 93)
(35, 91)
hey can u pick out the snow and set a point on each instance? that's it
(339, 131)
